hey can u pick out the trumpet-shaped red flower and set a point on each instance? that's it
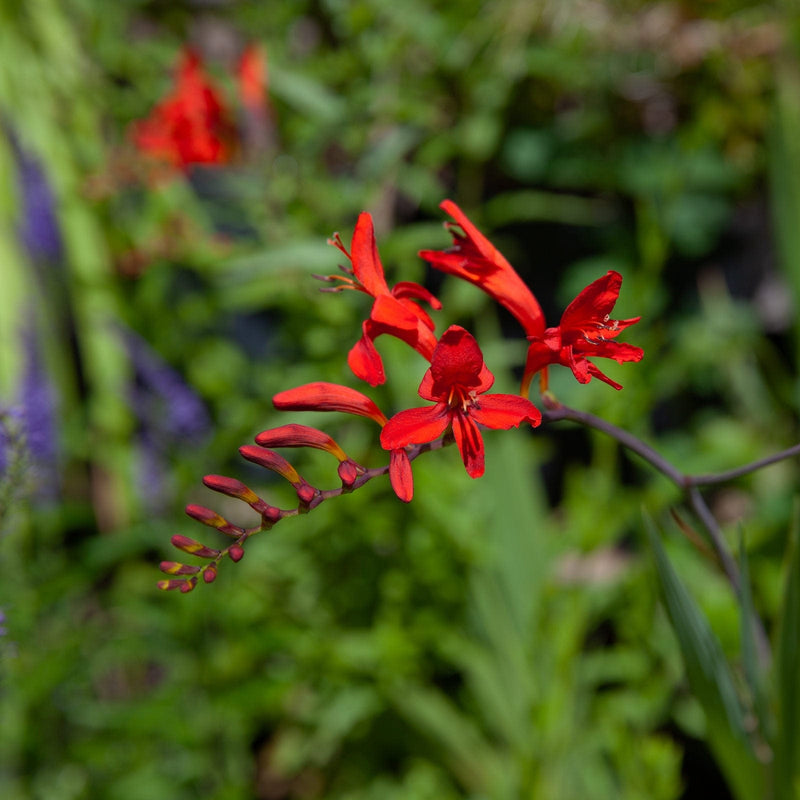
(190, 125)
(585, 332)
(585, 329)
(456, 382)
(475, 259)
(324, 396)
(395, 312)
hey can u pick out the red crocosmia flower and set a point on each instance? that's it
(395, 312)
(474, 258)
(323, 396)
(585, 332)
(190, 125)
(457, 381)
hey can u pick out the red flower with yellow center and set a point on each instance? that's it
(394, 312)
(456, 382)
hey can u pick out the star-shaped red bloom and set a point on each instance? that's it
(189, 126)
(585, 332)
(475, 259)
(394, 311)
(456, 382)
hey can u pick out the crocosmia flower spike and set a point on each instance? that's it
(456, 382)
(475, 259)
(585, 332)
(394, 312)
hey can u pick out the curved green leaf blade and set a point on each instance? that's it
(710, 679)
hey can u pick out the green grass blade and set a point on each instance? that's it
(710, 680)
(753, 663)
(787, 676)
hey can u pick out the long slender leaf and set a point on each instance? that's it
(753, 662)
(787, 667)
(710, 679)
(472, 758)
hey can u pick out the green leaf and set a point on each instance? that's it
(753, 661)
(710, 680)
(471, 757)
(787, 666)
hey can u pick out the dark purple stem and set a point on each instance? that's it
(688, 484)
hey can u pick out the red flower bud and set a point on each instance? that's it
(176, 568)
(272, 461)
(192, 547)
(323, 396)
(236, 552)
(174, 583)
(213, 520)
(230, 487)
(234, 488)
(210, 573)
(300, 436)
(349, 472)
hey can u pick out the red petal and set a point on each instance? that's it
(579, 364)
(504, 411)
(365, 361)
(393, 317)
(470, 444)
(593, 304)
(539, 356)
(413, 291)
(594, 370)
(618, 351)
(426, 388)
(475, 240)
(322, 396)
(415, 426)
(475, 259)
(366, 261)
(400, 475)
(458, 361)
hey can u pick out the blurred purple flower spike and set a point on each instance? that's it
(29, 426)
(37, 226)
(168, 411)
(160, 398)
(38, 404)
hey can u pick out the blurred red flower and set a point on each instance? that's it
(190, 125)
(456, 377)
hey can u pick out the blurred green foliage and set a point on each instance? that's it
(500, 638)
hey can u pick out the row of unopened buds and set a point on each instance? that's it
(457, 381)
(352, 476)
